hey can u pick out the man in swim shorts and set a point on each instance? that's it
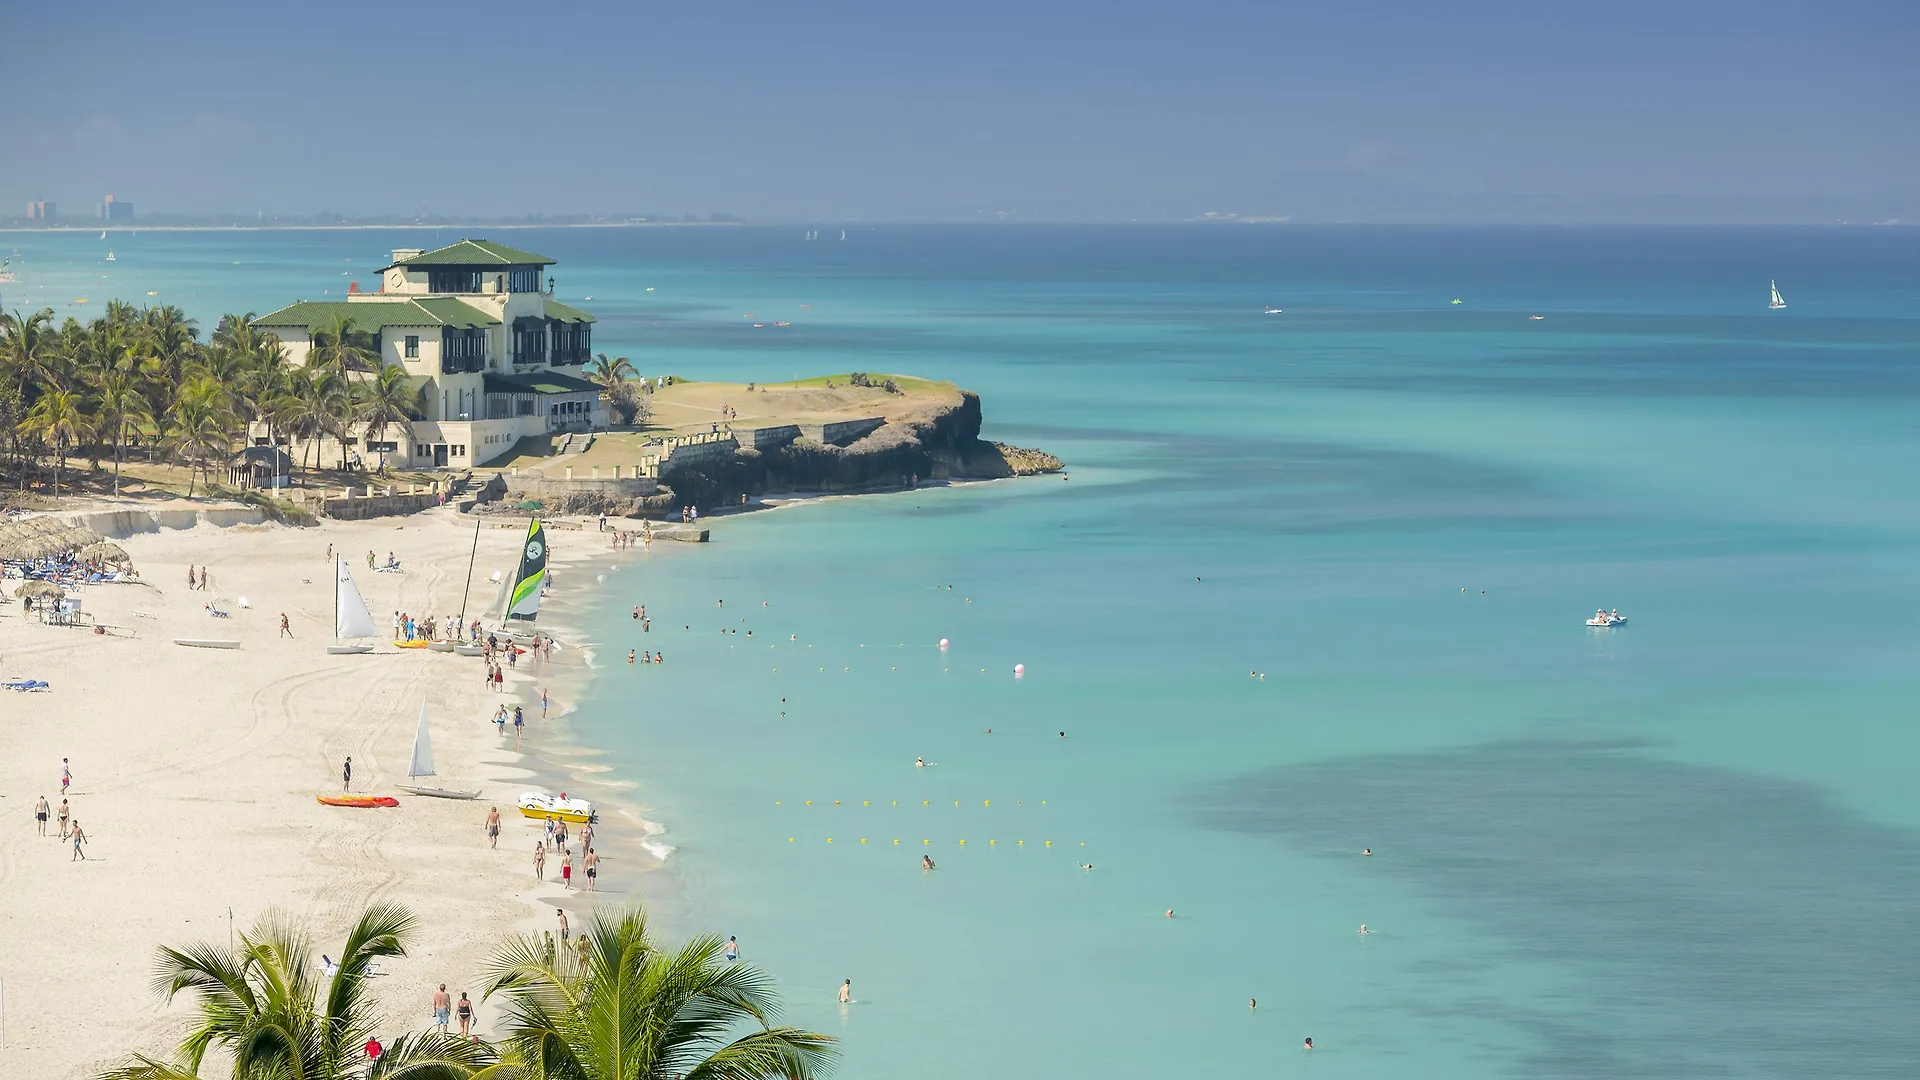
(493, 827)
(442, 1008)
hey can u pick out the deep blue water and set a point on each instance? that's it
(1682, 848)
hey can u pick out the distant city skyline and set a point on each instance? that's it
(1712, 112)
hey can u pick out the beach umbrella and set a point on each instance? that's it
(103, 551)
(40, 589)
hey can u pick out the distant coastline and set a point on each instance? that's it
(126, 226)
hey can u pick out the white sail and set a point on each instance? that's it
(1774, 299)
(498, 608)
(351, 619)
(422, 764)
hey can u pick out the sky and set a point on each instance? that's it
(1334, 110)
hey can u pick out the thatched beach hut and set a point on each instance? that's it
(40, 590)
(43, 538)
(105, 553)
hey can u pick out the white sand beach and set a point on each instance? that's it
(195, 773)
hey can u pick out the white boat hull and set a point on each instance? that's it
(469, 650)
(438, 793)
(441, 646)
(348, 650)
(206, 643)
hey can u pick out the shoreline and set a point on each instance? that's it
(201, 766)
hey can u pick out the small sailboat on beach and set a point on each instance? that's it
(422, 765)
(351, 619)
(1774, 300)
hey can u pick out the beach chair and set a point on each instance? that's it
(27, 686)
(216, 611)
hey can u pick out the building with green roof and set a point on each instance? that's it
(495, 355)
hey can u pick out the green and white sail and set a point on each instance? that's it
(523, 601)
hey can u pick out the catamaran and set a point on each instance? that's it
(1774, 301)
(351, 619)
(519, 599)
(422, 765)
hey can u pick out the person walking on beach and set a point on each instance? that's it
(493, 827)
(543, 703)
(593, 869)
(65, 814)
(465, 1011)
(79, 837)
(346, 775)
(66, 775)
(286, 628)
(40, 812)
(566, 868)
(540, 860)
(564, 932)
(549, 839)
(442, 1008)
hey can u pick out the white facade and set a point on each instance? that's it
(497, 357)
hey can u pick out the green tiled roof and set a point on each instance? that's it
(371, 315)
(539, 382)
(558, 310)
(476, 253)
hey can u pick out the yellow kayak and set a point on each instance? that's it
(419, 644)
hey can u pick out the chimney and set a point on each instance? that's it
(403, 254)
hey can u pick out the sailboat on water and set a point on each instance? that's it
(1774, 301)
(351, 619)
(422, 765)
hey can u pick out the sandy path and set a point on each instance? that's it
(195, 773)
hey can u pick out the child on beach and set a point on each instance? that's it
(566, 866)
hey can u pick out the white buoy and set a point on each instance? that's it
(943, 643)
(1019, 670)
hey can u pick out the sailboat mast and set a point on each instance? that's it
(468, 587)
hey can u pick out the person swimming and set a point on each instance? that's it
(1366, 851)
(1169, 913)
(926, 862)
(1363, 929)
(919, 763)
(1308, 1045)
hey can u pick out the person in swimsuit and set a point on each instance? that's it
(465, 1011)
(733, 948)
(565, 933)
(926, 862)
(1308, 1045)
(79, 838)
(66, 776)
(40, 812)
(65, 813)
(593, 869)
(540, 860)
(442, 1008)
(346, 775)
(493, 827)
(846, 992)
(566, 868)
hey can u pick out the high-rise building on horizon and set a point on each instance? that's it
(41, 210)
(112, 209)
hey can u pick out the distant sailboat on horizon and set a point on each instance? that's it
(1775, 302)
(103, 234)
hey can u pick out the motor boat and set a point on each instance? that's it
(1605, 618)
(538, 804)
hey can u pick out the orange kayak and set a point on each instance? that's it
(358, 800)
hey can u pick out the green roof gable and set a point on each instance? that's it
(558, 310)
(476, 253)
(371, 315)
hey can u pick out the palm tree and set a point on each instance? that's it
(333, 349)
(120, 406)
(388, 400)
(316, 398)
(266, 1003)
(615, 377)
(634, 1012)
(57, 418)
(200, 426)
(27, 348)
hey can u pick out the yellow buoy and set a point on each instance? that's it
(866, 802)
(789, 839)
(1049, 843)
(963, 843)
(992, 842)
(863, 839)
(896, 841)
(926, 841)
(809, 802)
(986, 802)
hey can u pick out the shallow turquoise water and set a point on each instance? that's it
(1684, 848)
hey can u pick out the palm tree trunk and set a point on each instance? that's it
(119, 437)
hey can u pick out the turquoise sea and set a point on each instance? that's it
(1687, 847)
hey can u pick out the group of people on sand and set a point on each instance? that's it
(556, 840)
(199, 583)
(69, 824)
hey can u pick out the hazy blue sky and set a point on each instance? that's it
(1336, 109)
